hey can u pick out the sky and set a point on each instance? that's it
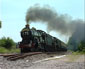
(13, 12)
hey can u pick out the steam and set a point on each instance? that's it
(56, 22)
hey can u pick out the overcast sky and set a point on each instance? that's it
(13, 12)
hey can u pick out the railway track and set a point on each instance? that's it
(13, 57)
(17, 56)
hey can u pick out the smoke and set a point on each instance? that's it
(56, 22)
(77, 36)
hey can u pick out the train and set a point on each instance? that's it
(39, 41)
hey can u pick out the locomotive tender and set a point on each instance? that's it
(38, 40)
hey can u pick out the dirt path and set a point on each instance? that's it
(67, 62)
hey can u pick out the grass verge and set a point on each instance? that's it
(13, 50)
(78, 53)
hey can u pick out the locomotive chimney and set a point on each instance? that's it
(27, 25)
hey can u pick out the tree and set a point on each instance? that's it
(81, 46)
(0, 24)
(7, 43)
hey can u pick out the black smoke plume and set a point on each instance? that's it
(56, 22)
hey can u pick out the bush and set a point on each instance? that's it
(7, 43)
(81, 46)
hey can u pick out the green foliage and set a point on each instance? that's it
(3, 50)
(7, 43)
(0, 24)
(78, 53)
(81, 46)
(13, 50)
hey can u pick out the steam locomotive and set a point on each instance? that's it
(37, 40)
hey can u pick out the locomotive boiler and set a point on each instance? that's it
(38, 40)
